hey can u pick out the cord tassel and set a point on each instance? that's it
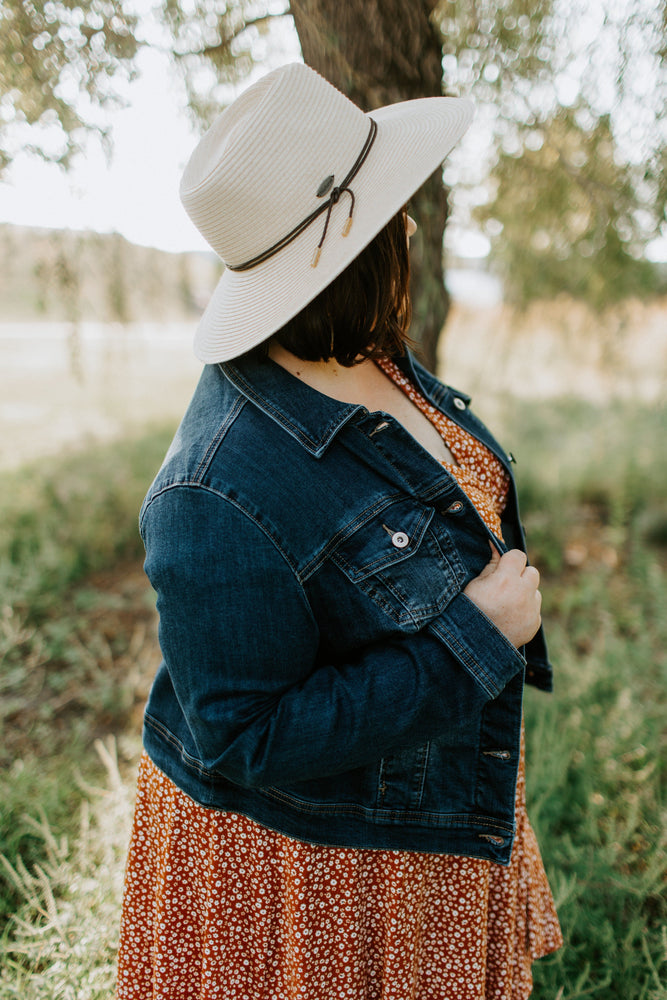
(333, 200)
(326, 207)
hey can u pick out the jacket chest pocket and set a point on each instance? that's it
(404, 562)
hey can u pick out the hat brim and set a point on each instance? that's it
(247, 307)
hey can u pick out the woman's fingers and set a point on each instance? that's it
(495, 554)
(513, 561)
(507, 590)
(492, 564)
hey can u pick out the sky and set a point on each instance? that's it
(135, 194)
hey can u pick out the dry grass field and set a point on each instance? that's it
(558, 348)
(65, 385)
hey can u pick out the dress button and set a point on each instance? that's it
(399, 539)
(458, 403)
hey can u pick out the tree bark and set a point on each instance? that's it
(378, 52)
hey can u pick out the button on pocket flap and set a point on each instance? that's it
(385, 539)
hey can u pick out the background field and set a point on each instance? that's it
(580, 400)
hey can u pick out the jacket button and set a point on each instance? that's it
(459, 403)
(399, 539)
(380, 427)
(492, 839)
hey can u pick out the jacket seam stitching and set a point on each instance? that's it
(315, 447)
(218, 437)
(426, 754)
(198, 485)
(408, 814)
(487, 682)
(334, 808)
(350, 529)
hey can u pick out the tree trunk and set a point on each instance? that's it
(378, 52)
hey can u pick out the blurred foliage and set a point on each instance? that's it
(72, 516)
(574, 96)
(571, 94)
(568, 216)
(57, 57)
(214, 45)
(70, 650)
(50, 274)
(596, 494)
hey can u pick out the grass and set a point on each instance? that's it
(596, 762)
(64, 940)
(67, 518)
(596, 769)
(70, 647)
(593, 493)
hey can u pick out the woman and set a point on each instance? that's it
(331, 800)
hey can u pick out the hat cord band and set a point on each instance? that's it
(326, 206)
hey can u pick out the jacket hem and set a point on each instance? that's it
(344, 825)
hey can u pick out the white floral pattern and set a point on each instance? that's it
(478, 472)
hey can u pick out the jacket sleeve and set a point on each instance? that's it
(242, 649)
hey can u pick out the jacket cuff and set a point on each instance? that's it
(478, 645)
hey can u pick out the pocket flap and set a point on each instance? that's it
(385, 539)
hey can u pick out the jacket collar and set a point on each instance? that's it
(312, 418)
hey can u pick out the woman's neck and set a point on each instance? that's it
(349, 385)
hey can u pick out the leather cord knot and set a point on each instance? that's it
(327, 206)
(334, 198)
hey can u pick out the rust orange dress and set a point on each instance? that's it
(218, 907)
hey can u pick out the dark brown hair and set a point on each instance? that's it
(364, 312)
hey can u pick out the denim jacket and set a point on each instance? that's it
(324, 673)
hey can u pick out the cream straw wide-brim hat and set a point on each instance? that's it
(255, 176)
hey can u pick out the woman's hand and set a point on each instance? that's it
(507, 592)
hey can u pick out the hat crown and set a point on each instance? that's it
(256, 172)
